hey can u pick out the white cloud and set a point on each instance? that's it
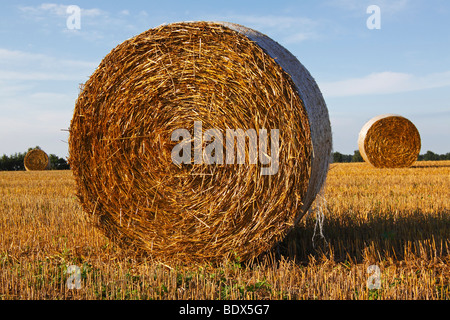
(19, 65)
(386, 6)
(35, 76)
(385, 83)
(33, 111)
(273, 21)
(43, 130)
(58, 10)
(8, 56)
(299, 37)
(143, 13)
(287, 29)
(35, 118)
(95, 24)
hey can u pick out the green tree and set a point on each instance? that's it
(337, 157)
(357, 156)
(13, 162)
(57, 163)
(430, 156)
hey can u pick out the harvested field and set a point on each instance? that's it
(396, 219)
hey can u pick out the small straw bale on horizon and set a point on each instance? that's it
(36, 160)
(389, 141)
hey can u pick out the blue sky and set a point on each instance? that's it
(402, 68)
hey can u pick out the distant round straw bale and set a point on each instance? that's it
(36, 159)
(223, 76)
(389, 141)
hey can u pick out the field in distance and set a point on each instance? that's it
(397, 220)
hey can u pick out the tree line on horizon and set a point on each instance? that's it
(356, 157)
(15, 162)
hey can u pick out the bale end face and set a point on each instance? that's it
(389, 141)
(199, 78)
(36, 160)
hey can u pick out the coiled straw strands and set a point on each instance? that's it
(228, 77)
(389, 141)
(35, 160)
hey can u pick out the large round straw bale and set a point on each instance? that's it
(36, 159)
(389, 141)
(223, 76)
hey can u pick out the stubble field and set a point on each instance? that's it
(395, 221)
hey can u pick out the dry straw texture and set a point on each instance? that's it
(226, 76)
(389, 141)
(36, 159)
